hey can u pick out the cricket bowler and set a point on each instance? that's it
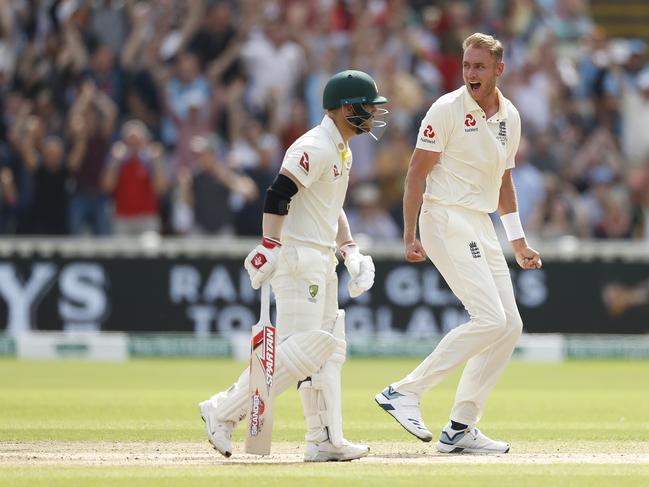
(464, 156)
(303, 224)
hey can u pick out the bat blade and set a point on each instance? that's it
(260, 390)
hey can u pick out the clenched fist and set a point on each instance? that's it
(526, 257)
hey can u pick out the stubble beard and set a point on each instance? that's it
(486, 90)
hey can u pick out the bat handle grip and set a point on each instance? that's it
(264, 314)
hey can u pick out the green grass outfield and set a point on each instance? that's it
(563, 420)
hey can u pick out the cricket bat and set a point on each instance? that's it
(262, 370)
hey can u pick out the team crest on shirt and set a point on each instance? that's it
(336, 171)
(313, 292)
(502, 132)
(469, 123)
(428, 135)
(475, 250)
(304, 162)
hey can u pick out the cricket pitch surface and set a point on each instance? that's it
(116, 453)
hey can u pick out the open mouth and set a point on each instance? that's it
(475, 86)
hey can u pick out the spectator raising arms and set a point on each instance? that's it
(207, 192)
(91, 125)
(136, 176)
(251, 74)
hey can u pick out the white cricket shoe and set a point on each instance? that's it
(404, 407)
(470, 440)
(219, 433)
(324, 451)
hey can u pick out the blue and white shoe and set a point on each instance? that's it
(404, 407)
(470, 440)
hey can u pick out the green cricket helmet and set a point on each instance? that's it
(351, 87)
(356, 89)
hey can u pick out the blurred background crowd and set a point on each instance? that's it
(123, 116)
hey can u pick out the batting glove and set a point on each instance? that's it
(360, 268)
(261, 262)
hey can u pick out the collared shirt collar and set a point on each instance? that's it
(472, 106)
(329, 125)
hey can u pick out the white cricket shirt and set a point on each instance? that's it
(475, 151)
(321, 161)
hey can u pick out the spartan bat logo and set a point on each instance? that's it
(266, 337)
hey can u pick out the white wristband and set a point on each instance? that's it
(513, 227)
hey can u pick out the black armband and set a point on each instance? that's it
(279, 195)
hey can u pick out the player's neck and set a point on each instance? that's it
(490, 104)
(344, 128)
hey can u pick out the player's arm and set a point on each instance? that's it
(421, 163)
(261, 261)
(344, 235)
(278, 197)
(527, 257)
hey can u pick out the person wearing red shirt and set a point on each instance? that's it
(135, 175)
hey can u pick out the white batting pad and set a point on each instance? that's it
(321, 396)
(303, 353)
(299, 356)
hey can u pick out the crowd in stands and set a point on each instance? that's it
(123, 116)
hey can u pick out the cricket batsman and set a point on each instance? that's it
(464, 156)
(303, 224)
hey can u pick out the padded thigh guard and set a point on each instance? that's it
(298, 356)
(321, 395)
(303, 353)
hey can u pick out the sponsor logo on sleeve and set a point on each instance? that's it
(304, 162)
(428, 135)
(469, 123)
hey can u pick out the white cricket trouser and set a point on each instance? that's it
(305, 284)
(462, 244)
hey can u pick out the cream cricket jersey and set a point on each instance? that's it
(321, 161)
(475, 151)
